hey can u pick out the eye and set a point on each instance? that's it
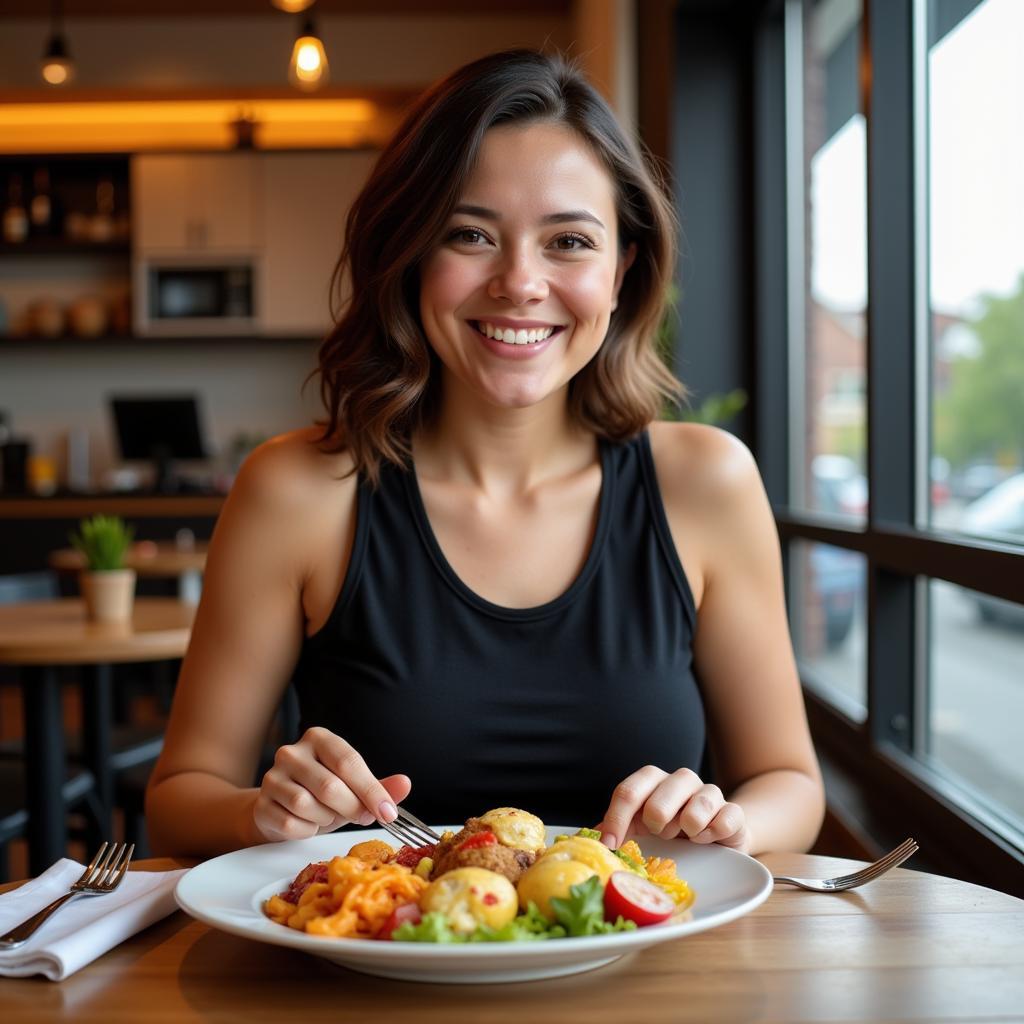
(467, 236)
(573, 241)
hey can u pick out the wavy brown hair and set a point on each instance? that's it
(379, 378)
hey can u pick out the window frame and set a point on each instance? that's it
(901, 552)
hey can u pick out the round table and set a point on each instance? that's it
(38, 636)
(159, 559)
(908, 946)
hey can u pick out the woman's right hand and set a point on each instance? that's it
(320, 784)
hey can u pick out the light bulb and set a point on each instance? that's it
(292, 6)
(56, 65)
(308, 69)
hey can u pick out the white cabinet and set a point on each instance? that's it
(196, 202)
(283, 212)
(306, 197)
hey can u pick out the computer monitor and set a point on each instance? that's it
(161, 428)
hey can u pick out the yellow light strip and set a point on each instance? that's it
(111, 126)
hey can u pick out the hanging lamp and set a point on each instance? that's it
(308, 69)
(56, 67)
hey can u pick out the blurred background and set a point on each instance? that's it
(174, 178)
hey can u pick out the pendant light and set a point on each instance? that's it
(56, 66)
(308, 69)
(292, 6)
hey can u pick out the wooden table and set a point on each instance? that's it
(907, 947)
(151, 558)
(38, 636)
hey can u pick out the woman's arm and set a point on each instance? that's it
(285, 511)
(771, 795)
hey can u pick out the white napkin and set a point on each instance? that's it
(87, 926)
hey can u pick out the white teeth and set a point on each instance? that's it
(510, 336)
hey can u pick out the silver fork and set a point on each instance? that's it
(893, 859)
(408, 829)
(103, 875)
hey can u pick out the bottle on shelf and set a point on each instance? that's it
(15, 219)
(40, 210)
(101, 226)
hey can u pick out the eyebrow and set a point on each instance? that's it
(564, 217)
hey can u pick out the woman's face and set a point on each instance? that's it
(516, 296)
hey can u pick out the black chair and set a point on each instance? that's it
(130, 784)
(131, 745)
(79, 786)
(79, 791)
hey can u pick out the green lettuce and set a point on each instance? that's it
(580, 913)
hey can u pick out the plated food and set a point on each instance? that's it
(495, 880)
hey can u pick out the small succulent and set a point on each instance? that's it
(103, 540)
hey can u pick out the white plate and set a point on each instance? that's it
(228, 893)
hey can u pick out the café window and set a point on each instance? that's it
(903, 457)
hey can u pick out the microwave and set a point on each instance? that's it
(196, 295)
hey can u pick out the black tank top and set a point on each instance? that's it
(545, 708)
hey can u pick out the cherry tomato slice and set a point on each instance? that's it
(406, 912)
(636, 899)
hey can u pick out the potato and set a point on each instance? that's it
(595, 855)
(550, 876)
(471, 896)
(515, 828)
(373, 851)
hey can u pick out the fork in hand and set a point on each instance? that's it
(893, 859)
(408, 829)
(103, 875)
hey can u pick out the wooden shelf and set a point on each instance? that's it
(155, 341)
(64, 247)
(127, 505)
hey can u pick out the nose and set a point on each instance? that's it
(518, 279)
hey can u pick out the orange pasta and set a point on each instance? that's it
(355, 901)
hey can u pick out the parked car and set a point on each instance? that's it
(837, 576)
(838, 486)
(998, 515)
(978, 479)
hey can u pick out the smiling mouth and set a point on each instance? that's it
(511, 336)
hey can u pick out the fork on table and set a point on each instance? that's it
(103, 875)
(893, 859)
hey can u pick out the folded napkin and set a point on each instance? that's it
(87, 926)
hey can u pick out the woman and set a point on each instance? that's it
(490, 574)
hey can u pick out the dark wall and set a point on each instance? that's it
(711, 161)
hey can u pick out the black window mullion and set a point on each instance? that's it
(887, 83)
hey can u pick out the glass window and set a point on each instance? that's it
(827, 611)
(976, 263)
(834, 442)
(976, 702)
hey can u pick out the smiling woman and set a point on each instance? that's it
(488, 571)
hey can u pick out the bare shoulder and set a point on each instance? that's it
(292, 496)
(702, 467)
(714, 500)
(292, 468)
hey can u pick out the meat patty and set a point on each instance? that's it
(502, 860)
(445, 846)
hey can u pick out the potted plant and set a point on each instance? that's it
(107, 587)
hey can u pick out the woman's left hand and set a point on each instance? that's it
(653, 802)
